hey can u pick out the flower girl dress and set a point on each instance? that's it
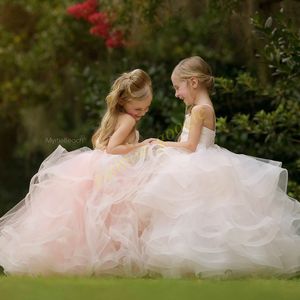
(214, 212)
(155, 211)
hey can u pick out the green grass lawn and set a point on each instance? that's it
(73, 288)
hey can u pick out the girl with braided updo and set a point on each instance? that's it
(127, 102)
(77, 217)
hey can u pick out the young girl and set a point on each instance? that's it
(128, 101)
(209, 211)
(76, 217)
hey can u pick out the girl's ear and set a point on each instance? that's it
(121, 102)
(194, 82)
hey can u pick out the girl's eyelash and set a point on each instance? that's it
(142, 109)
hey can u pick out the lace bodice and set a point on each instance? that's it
(207, 137)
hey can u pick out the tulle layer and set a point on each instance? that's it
(214, 211)
(75, 219)
(154, 211)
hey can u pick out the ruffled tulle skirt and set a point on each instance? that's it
(155, 211)
(215, 212)
(77, 217)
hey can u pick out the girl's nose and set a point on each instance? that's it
(145, 111)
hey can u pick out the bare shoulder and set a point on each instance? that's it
(202, 108)
(203, 114)
(198, 112)
(125, 120)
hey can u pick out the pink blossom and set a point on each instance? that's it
(101, 30)
(83, 10)
(115, 39)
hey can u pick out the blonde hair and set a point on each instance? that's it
(134, 85)
(195, 66)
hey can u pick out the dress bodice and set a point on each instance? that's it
(207, 137)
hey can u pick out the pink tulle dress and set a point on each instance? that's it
(157, 211)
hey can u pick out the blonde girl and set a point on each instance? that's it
(128, 101)
(213, 212)
(192, 80)
(77, 217)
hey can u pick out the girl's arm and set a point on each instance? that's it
(197, 118)
(115, 144)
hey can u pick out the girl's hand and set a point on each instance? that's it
(157, 142)
(147, 141)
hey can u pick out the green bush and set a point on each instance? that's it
(54, 77)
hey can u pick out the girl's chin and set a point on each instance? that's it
(135, 117)
(188, 103)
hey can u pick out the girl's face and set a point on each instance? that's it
(183, 90)
(138, 108)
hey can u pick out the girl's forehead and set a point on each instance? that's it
(142, 103)
(176, 80)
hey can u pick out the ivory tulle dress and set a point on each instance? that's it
(155, 211)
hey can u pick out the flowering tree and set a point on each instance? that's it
(102, 22)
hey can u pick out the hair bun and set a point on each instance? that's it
(210, 82)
